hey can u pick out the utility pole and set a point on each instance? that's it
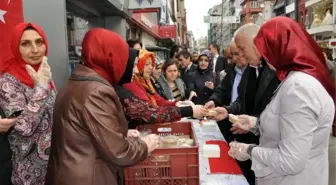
(221, 27)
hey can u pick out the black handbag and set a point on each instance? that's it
(5, 157)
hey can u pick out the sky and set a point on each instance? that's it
(196, 10)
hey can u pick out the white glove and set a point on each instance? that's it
(133, 133)
(239, 151)
(245, 122)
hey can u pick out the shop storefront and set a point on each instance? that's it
(66, 22)
(320, 22)
(144, 27)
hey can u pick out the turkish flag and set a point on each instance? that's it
(11, 14)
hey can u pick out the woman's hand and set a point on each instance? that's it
(239, 151)
(184, 103)
(133, 133)
(152, 141)
(209, 85)
(192, 94)
(43, 75)
(6, 124)
(221, 114)
(210, 104)
(244, 124)
(199, 111)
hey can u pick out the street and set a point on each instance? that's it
(332, 161)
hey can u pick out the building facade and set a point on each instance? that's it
(214, 33)
(66, 22)
(250, 10)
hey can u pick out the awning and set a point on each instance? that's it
(97, 8)
(279, 4)
(156, 48)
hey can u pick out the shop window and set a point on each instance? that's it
(320, 14)
(292, 15)
(128, 34)
(288, 2)
(255, 4)
(302, 18)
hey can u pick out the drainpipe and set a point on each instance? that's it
(221, 25)
(297, 14)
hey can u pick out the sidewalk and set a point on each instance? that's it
(332, 161)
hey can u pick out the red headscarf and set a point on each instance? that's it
(17, 66)
(106, 53)
(287, 46)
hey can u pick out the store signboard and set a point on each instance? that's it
(167, 31)
(219, 20)
(332, 43)
(146, 22)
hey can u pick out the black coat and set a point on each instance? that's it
(252, 100)
(5, 158)
(223, 92)
(185, 75)
(196, 83)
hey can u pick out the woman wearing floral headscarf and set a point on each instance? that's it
(141, 86)
(28, 93)
(204, 80)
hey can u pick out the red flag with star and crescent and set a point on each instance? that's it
(11, 14)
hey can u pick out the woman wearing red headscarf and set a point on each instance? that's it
(27, 93)
(89, 141)
(141, 86)
(295, 127)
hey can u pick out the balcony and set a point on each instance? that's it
(251, 7)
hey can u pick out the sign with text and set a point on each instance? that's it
(218, 19)
(167, 31)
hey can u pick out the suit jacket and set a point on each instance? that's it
(223, 92)
(5, 158)
(221, 64)
(186, 75)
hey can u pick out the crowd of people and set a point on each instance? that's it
(275, 78)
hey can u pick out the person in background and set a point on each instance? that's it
(294, 128)
(90, 143)
(156, 73)
(256, 88)
(204, 80)
(331, 66)
(219, 63)
(228, 91)
(141, 86)
(6, 153)
(186, 65)
(229, 68)
(28, 94)
(173, 87)
(135, 44)
(174, 51)
(140, 112)
(195, 56)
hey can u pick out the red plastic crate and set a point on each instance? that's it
(167, 166)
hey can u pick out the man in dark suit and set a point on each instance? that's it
(219, 62)
(227, 91)
(5, 151)
(186, 64)
(254, 92)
